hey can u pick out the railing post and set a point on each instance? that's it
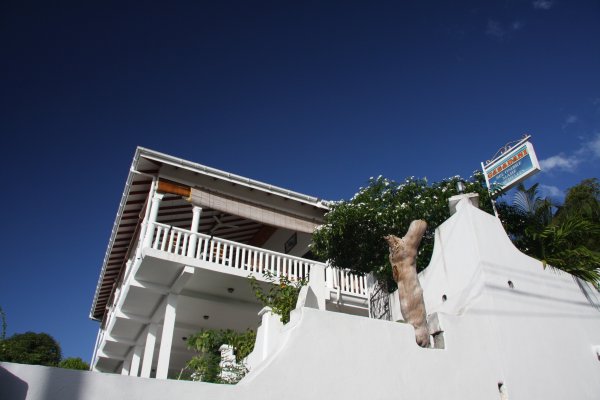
(196, 211)
(156, 199)
(329, 277)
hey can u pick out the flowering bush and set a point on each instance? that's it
(352, 234)
(281, 295)
(206, 365)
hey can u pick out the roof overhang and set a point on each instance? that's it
(147, 167)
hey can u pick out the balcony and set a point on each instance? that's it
(209, 275)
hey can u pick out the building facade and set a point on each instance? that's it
(185, 240)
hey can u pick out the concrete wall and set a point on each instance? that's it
(32, 382)
(538, 339)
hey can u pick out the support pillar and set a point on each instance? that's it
(196, 211)
(149, 350)
(135, 361)
(156, 199)
(164, 354)
(126, 365)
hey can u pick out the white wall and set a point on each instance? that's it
(539, 339)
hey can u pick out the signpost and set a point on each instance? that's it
(513, 165)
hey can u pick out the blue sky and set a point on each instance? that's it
(312, 96)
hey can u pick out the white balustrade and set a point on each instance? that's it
(346, 281)
(251, 259)
(229, 254)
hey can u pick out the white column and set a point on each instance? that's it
(194, 228)
(166, 340)
(135, 361)
(318, 286)
(149, 351)
(270, 326)
(156, 199)
(126, 364)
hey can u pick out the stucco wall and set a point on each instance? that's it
(537, 338)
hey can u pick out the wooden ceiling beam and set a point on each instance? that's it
(263, 234)
(170, 187)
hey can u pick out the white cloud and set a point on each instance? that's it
(588, 151)
(570, 120)
(499, 31)
(594, 145)
(543, 4)
(494, 29)
(560, 161)
(550, 191)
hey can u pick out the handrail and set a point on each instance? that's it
(249, 258)
(228, 253)
(346, 281)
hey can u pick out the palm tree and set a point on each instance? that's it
(558, 242)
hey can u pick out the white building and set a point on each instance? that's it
(185, 239)
(503, 326)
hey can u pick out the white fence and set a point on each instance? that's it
(249, 258)
(346, 281)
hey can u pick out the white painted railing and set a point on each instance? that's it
(249, 258)
(228, 253)
(346, 281)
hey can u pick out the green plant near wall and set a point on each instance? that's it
(352, 234)
(281, 294)
(74, 363)
(206, 365)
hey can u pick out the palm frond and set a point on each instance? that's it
(525, 200)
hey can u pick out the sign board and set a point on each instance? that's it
(511, 168)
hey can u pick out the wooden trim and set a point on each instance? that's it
(174, 188)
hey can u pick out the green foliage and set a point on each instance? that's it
(205, 366)
(31, 348)
(281, 295)
(563, 248)
(352, 235)
(568, 239)
(582, 200)
(74, 363)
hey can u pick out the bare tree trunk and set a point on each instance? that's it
(403, 257)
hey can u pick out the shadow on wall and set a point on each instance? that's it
(12, 387)
(589, 292)
(36, 382)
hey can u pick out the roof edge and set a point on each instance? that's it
(237, 179)
(113, 233)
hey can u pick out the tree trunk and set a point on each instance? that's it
(403, 257)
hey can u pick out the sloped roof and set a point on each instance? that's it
(174, 211)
